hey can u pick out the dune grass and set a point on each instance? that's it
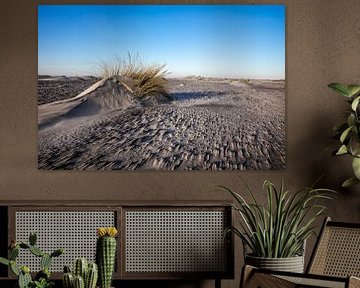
(146, 80)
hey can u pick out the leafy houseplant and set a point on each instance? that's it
(349, 132)
(42, 278)
(279, 229)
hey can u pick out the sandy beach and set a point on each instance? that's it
(211, 124)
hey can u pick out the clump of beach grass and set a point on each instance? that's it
(146, 80)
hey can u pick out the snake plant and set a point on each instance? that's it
(279, 228)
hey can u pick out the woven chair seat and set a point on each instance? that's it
(335, 262)
(314, 282)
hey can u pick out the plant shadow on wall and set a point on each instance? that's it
(320, 153)
(276, 232)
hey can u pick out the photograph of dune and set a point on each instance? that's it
(161, 87)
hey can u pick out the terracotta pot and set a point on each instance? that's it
(291, 264)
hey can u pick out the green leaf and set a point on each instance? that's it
(342, 150)
(14, 268)
(4, 261)
(340, 88)
(355, 103)
(351, 120)
(356, 167)
(353, 89)
(349, 182)
(354, 145)
(345, 134)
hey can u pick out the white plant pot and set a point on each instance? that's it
(291, 264)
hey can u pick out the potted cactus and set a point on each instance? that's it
(106, 254)
(84, 275)
(42, 278)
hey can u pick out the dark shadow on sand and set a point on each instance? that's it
(180, 96)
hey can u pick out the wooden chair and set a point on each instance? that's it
(334, 263)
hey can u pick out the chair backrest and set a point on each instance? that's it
(337, 251)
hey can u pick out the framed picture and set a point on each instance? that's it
(161, 87)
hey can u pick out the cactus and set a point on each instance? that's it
(67, 269)
(25, 269)
(79, 282)
(32, 239)
(45, 261)
(42, 278)
(91, 276)
(13, 253)
(36, 251)
(24, 280)
(90, 272)
(57, 252)
(68, 280)
(106, 254)
(80, 268)
(44, 273)
(24, 246)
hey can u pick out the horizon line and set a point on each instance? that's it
(171, 77)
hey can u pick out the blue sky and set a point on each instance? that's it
(239, 41)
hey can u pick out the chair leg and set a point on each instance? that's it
(251, 279)
(217, 283)
(246, 274)
(263, 280)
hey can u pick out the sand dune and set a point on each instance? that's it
(103, 96)
(212, 124)
(52, 89)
